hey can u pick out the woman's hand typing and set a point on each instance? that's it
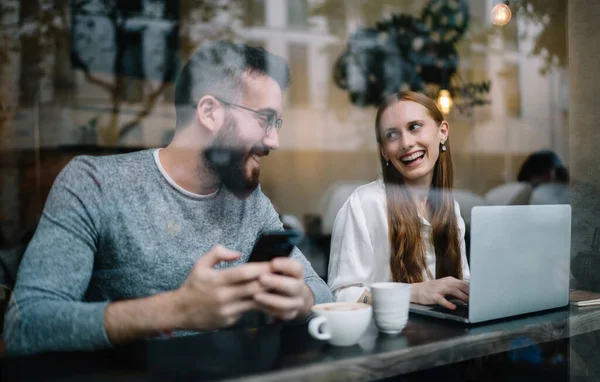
(436, 292)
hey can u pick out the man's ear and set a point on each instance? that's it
(209, 112)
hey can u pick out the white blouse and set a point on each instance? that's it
(360, 247)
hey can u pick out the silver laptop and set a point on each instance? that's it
(520, 263)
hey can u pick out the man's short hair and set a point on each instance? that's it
(218, 69)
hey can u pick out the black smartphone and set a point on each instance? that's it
(274, 244)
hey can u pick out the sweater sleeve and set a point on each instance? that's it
(47, 311)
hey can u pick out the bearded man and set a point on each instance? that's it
(131, 246)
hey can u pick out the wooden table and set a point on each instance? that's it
(287, 353)
(427, 343)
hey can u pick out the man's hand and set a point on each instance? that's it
(212, 299)
(435, 292)
(285, 295)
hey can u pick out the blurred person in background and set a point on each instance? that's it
(543, 167)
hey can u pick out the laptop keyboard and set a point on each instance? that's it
(461, 310)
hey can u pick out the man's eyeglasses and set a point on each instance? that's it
(270, 118)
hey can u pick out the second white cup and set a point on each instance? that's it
(390, 306)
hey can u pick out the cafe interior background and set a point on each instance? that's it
(97, 77)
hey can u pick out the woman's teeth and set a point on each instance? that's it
(412, 157)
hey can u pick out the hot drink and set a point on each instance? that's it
(341, 323)
(344, 307)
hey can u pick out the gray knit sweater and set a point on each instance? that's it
(117, 227)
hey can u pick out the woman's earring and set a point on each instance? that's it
(387, 163)
(443, 146)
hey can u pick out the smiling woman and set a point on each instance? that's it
(411, 132)
(405, 227)
(414, 159)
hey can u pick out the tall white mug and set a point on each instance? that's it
(390, 306)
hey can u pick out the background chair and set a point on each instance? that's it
(550, 193)
(466, 201)
(332, 201)
(508, 194)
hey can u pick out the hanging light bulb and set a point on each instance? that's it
(501, 14)
(444, 101)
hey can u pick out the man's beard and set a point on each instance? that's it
(227, 158)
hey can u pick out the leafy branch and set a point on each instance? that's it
(551, 42)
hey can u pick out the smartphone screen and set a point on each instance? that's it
(274, 244)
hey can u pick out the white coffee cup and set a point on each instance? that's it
(390, 306)
(341, 323)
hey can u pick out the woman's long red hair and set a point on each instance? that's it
(407, 258)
